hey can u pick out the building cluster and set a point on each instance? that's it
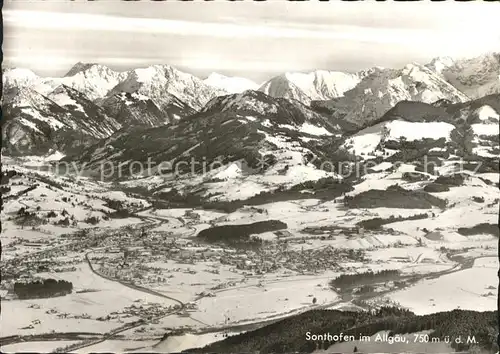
(135, 261)
(27, 269)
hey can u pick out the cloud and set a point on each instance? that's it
(244, 29)
(252, 38)
(450, 40)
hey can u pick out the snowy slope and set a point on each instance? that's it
(18, 77)
(264, 107)
(94, 80)
(231, 137)
(64, 119)
(368, 140)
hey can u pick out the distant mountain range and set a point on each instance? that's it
(92, 102)
(475, 77)
(317, 85)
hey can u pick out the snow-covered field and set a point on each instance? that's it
(35, 347)
(469, 289)
(104, 298)
(118, 346)
(270, 300)
(366, 141)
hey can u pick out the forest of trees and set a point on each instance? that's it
(42, 289)
(436, 188)
(288, 335)
(376, 223)
(240, 233)
(348, 280)
(394, 197)
(484, 228)
(456, 179)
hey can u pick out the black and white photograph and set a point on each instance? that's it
(250, 177)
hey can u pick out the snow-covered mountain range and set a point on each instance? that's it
(161, 94)
(98, 81)
(475, 77)
(383, 88)
(63, 120)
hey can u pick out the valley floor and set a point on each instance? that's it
(139, 277)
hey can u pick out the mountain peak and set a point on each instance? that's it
(161, 82)
(375, 94)
(79, 67)
(440, 63)
(259, 106)
(215, 76)
(476, 77)
(315, 85)
(230, 84)
(18, 77)
(19, 72)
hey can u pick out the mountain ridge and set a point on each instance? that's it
(161, 94)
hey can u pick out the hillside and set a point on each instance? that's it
(289, 335)
(34, 123)
(234, 124)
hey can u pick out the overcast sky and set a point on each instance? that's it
(251, 39)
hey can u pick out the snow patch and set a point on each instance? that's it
(486, 112)
(232, 171)
(308, 128)
(230, 84)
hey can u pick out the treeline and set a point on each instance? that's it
(436, 188)
(394, 197)
(326, 183)
(349, 280)
(377, 223)
(42, 289)
(121, 210)
(288, 335)
(20, 193)
(240, 233)
(456, 179)
(5, 177)
(479, 229)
